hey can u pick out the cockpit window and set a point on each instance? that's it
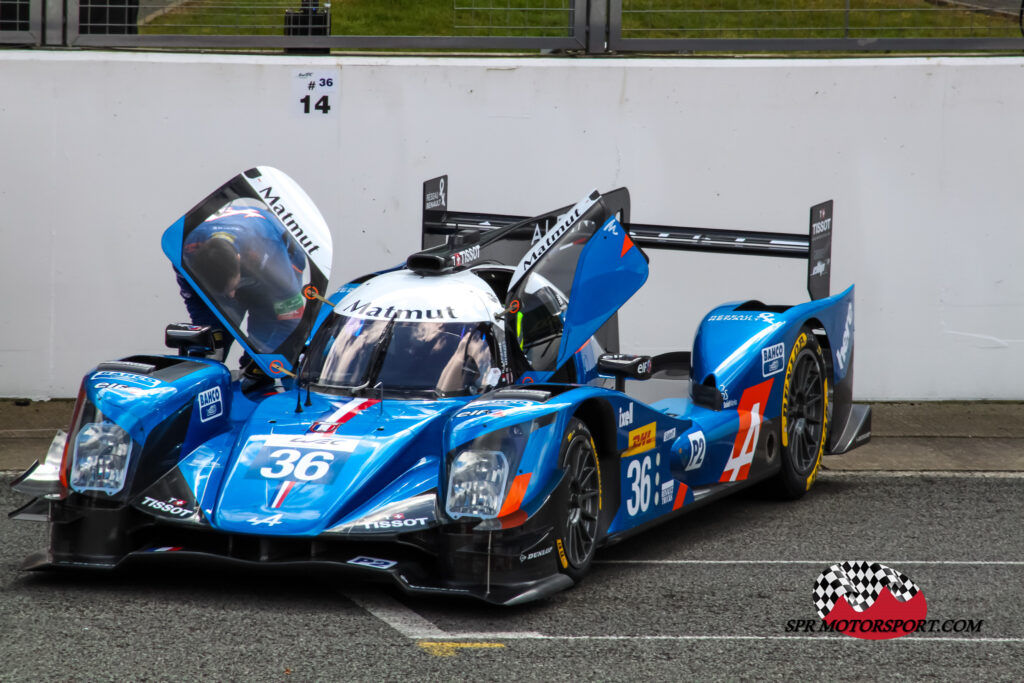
(540, 300)
(441, 359)
(243, 258)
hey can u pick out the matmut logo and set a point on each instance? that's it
(368, 310)
(641, 439)
(286, 218)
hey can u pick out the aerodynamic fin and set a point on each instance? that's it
(446, 233)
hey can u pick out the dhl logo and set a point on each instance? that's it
(641, 439)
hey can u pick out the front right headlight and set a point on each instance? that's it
(101, 456)
(476, 484)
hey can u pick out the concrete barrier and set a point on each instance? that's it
(102, 151)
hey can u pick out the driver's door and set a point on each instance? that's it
(570, 283)
(256, 251)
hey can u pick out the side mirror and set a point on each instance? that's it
(625, 365)
(194, 340)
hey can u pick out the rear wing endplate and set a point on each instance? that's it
(442, 226)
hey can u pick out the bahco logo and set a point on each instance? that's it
(869, 600)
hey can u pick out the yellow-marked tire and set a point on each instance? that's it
(577, 519)
(804, 421)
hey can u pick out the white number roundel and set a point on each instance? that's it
(308, 466)
(639, 474)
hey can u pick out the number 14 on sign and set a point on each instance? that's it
(314, 93)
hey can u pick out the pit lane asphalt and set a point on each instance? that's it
(705, 597)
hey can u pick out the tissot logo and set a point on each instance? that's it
(365, 309)
(466, 256)
(396, 523)
(819, 227)
(174, 506)
(285, 216)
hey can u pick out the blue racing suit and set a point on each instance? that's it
(271, 267)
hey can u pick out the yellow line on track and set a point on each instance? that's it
(449, 649)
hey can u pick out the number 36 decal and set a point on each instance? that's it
(308, 466)
(293, 464)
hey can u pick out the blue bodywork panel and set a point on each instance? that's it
(321, 461)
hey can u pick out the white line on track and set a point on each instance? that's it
(833, 638)
(415, 627)
(946, 474)
(398, 616)
(826, 563)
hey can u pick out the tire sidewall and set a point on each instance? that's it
(576, 430)
(796, 481)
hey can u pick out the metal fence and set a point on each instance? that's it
(582, 26)
(21, 22)
(853, 25)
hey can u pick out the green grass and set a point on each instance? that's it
(372, 18)
(641, 18)
(809, 19)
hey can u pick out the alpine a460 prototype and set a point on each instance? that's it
(461, 424)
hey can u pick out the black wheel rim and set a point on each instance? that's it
(805, 414)
(581, 516)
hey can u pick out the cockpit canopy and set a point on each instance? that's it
(411, 334)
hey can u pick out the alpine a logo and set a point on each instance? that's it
(365, 309)
(285, 216)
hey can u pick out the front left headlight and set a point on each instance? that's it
(480, 471)
(101, 456)
(476, 484)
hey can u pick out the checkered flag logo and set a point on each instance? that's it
(861, 583)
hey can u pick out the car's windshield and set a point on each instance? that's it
(443, 359)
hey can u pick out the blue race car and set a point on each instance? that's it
(463, 424)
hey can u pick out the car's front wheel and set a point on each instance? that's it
(577, 524)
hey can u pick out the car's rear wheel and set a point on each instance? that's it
(577, 525)
(804, 420)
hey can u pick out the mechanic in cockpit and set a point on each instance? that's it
(247, 264)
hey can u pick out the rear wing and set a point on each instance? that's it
(461, 230)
